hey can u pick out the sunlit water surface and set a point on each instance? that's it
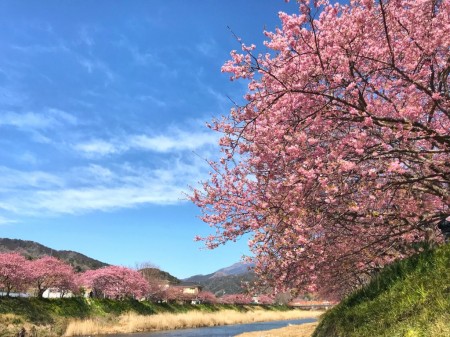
(220, 331)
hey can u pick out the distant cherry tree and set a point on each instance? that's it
(339, 161)
(50, 272)
(207, 297)
(14, 273)
(235, 299)
(115, 282)
(265, 299)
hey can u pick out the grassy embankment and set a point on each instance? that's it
(410, 298)
(79, 316)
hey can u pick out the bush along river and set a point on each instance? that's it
(220, 331)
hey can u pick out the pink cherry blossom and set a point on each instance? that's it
(14, 274)
(49, 272)
(115, 282)
(339, 162)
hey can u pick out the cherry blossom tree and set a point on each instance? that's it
(115, 282)
(14, 273)
(265, 299)
(173, 294)
(339, 162)
(235, 299)
(207, 297)
(50, 272)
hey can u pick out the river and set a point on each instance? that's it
(219, 331)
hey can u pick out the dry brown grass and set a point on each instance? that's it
(304, 330)
(11, 324)
(134, 323)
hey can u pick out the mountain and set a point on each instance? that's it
(33, 250)
(238, 268)
(152, 274)
(229, 280)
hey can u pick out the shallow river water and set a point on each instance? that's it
(219, 331)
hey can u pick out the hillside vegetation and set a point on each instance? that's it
(34, 250)
(410, 298)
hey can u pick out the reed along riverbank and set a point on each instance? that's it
(132, 322)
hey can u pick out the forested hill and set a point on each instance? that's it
(34, 250)
(157, 274)
(228, 280)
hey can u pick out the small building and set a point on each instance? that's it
(56, 293)
(186, 292)
(189, 288)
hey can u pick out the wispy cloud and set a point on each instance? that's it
(28, 158)
(179, 141)
(96, 147)
(85, 37)
(149, 98)
(48, 119)
(10, 97)
(145, 58)
(38, 48)
(109, 184)
(207, 48)
(174, 140)
(96, 188)
(13, 180)
(5, 221)
(96, 65)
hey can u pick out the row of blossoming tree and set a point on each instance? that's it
(339, 162)
(20, 275)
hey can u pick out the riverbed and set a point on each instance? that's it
(220, 331)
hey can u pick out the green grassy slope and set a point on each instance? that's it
(410, 298)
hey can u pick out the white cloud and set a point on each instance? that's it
(62, 116)
(49, 119)
(96, 147)
(100, 172)
(85, 37)
(174, 140)
(179, 141)
(75, 201)
(5, 221)
(37, 48)
(96, 188)
(29, 120)
(207, 48)
(152, 99)
(9, 96)
(11, 179)
(92, 65)
(28, 158)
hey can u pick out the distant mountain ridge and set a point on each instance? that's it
(33, 250)
(156, 274)
(235, 269)
(229, 280)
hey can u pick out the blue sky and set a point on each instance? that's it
(103, 106)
